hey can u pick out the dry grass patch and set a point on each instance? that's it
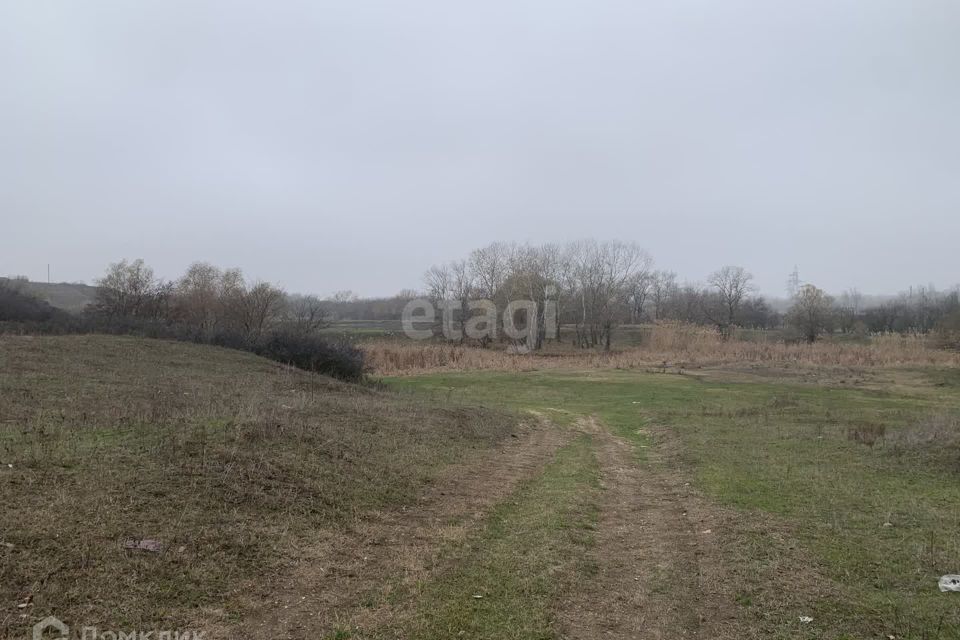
(662, 346)
(939, 430)
(227, 459)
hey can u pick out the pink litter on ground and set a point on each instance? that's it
(143, 545)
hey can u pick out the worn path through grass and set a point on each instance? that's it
(358, 580)
(834, 503)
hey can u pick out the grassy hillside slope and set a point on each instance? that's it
(63, 295)
(226, 459)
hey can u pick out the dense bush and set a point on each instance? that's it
(310, 352)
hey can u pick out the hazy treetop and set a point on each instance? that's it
(331, 145)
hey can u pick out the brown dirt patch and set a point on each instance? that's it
(672, 565)
(645, 553)
(345, 580)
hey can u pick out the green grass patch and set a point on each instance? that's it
(532, 549)
(880, 519)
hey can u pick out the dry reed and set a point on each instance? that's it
(676, 344)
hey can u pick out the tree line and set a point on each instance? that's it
(206, 304)
(592, 287)
(597, 286)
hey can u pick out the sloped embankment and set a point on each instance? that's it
(227, 460)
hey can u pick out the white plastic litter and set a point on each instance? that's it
(805, 619)
(950, 583)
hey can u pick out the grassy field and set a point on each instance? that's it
(723, 502)
(230, 461)
(861, 482)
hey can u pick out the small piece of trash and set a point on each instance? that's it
(23, 605)
(154, 546)
(950, 583)
(888, 524)
(477, 596)
(805, 619)
(705, 531)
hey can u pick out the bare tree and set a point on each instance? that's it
(450, 286)
(533, 276)
(602, 272)
(197, 294)
(489, 267)
(304, 314)
(229, 307)
(689, 302)
(566, 283)
(216, 301)
(461, 282)
(639, 289)
(344, 295)
(731, 284)
(129, 289)
(848, 309)
(663, 288)
(261, 305)
(490, 270)
(439, 283)
(812, 312)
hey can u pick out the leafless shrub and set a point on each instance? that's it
(867, 433)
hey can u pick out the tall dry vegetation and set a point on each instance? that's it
(685, 344)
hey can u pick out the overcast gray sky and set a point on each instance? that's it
(332, 145)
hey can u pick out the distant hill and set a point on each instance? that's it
(63, 295)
